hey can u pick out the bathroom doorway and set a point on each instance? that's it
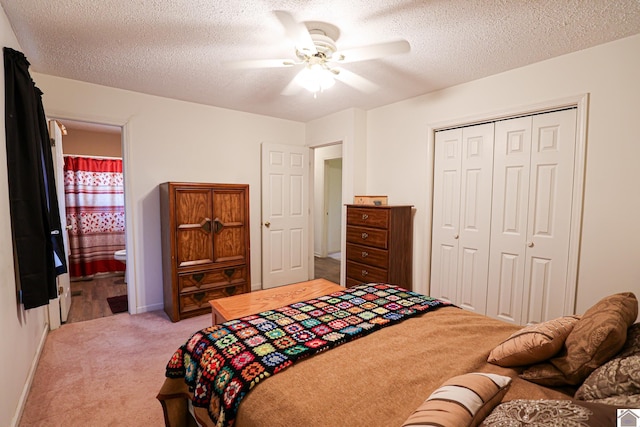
(93, 157)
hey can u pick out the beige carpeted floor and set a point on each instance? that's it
(106, 372)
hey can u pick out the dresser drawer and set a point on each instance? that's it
(199, 300)
(366, 273)
(368, 255)
(209, 279)
(368, 217)
(367, 236)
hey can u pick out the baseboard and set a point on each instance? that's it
(150, 307)
(27, 385)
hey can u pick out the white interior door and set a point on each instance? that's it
(476, 177)
(446, 214)
(549, 219)
(531, 223)
(509, 222)
(285, 214)
(59, 307)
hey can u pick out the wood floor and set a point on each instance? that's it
(327, 268)
(89, 297)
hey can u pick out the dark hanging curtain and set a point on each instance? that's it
(35, 218)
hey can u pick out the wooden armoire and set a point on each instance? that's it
(205, 245)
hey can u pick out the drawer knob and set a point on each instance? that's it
(365, 254)
(365, 235)
(198, 277)
(364, 273)
(365, 217)
(199, 296)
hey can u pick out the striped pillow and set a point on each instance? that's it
(464, 400)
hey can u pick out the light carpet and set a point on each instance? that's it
(106, 372)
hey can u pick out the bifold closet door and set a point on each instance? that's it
(462, 215)
(530, 231)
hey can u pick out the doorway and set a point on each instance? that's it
(98, 286)
(327, 207)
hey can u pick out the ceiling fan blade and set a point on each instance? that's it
(356, 81)
(372, 51)
(297, 32)
(258, 63)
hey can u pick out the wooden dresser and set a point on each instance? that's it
(379, 245)
(205, 245)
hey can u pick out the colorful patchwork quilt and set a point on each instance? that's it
(220, 364)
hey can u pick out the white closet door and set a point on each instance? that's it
(446, 214)
(461, 216)
(475, 216)
(512, 157)
(549, 224)
(530, 232)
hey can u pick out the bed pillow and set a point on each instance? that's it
(464, 400)
(534, 343)
(596, 338)
(620, 376)
(522, 412)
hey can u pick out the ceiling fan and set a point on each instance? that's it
(316, 51)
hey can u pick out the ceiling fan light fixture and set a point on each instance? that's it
(316, 78)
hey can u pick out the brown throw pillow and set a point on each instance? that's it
(461, 401)
(619, 376)
(522, 412)
(597, 337)
(534, 343)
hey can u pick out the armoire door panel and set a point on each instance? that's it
(193, 216)
(229, 228)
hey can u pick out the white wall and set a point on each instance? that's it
(170, 140)
(399, 161)
(22, 332)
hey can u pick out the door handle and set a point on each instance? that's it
(206, 225)
(267, 224)
(217, 225)
(530, 244)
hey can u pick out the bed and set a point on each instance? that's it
(389, 377)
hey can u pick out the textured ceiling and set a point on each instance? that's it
(175, 48)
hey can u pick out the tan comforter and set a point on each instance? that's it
(377, 380)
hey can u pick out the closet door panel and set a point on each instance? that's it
(475, 216)
(509, 219)
(548, 231)
(446, 214)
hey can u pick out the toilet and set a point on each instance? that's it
(121, 255)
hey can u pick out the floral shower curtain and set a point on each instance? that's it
(94, 194)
